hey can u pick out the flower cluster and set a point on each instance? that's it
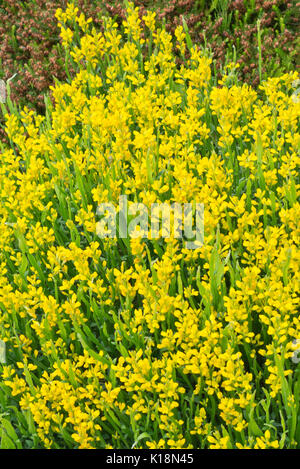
(31, 46)
(117, 342)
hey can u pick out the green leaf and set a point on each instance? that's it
(140, 437)
(187, 35)
(2, 351)
(9, 438)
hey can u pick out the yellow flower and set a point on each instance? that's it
(67, 36)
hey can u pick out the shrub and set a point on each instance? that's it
(115, 342)
(30, 43)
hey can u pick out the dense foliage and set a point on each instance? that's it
(121, 342)
(30, 45)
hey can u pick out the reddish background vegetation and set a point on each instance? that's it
(29, 39)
